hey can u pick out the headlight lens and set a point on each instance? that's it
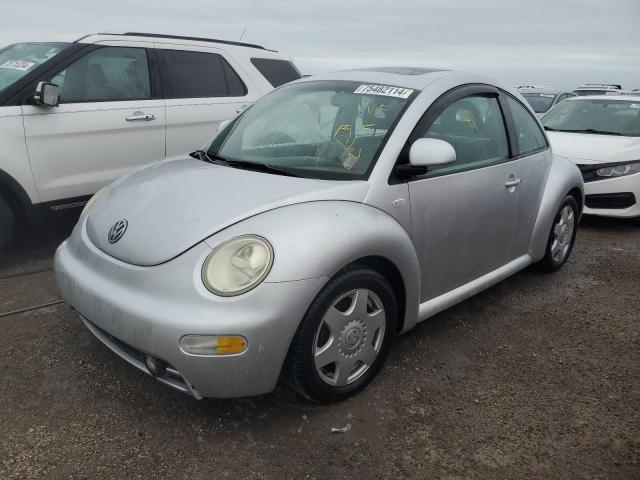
(237, 265)
(619, 171)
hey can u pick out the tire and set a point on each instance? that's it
(7, 225)
(334, 327)
(561, 239)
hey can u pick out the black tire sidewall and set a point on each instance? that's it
(548, 263)
(302, 374)
(7, 224)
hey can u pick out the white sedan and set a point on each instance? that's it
(601, 134)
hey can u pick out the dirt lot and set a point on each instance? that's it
(539, 377)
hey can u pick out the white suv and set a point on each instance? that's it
(74, 116)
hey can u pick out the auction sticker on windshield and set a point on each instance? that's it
(385, 90)
(22, 65)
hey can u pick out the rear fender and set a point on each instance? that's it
(564, 176)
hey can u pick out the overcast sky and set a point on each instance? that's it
(553, 42)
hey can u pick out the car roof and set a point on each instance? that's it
(407, 77)
(152, 37)
(161, 38)
(619, 98)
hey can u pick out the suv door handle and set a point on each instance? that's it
(140, 117)
(512, 183)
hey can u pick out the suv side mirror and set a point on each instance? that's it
(431, 152)
(47, 94)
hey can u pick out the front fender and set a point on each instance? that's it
(564, 176)
(318, 239)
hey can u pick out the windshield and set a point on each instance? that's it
(323, 129)
(615, 117)
(540, 102)
(19, 59)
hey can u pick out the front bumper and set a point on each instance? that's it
(138, 311)
(613, 197)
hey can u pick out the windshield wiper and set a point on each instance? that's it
(200, 155)
(549, 129)
(259, 167)
(242, 164)
(591, 130)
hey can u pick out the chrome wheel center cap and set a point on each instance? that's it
(352, 338)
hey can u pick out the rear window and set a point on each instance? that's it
(277, 72)
(188, 74)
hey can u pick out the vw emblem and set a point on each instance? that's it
(117, 230)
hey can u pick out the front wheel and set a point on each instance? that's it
(344, 337)
(562, 235)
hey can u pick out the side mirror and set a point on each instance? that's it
(47, 94)
(431, 152)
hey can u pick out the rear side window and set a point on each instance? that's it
(277, 72)
(529, 134)
(187, 74)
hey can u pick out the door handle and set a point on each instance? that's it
(140, 117)
(243, 107)
(512, 183)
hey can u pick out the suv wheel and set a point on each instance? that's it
(344, 337)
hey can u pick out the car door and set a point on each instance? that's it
(532, 158)
(464, 215)
(202, 87)
(107, 123)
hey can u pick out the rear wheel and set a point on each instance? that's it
(562, 235)
(344, 338)
(7, 224)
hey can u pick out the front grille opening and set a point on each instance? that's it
(610, 200)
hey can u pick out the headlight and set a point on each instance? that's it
(619, 171)
(237, 265)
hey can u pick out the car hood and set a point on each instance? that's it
(591, 149)
(172, 205)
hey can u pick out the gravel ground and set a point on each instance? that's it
(538, 377)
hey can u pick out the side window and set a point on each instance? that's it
(475, 127)
(529, 134)
(277, 72)
(189, 74)
(106, 74)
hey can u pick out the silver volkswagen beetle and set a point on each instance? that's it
(331, 216)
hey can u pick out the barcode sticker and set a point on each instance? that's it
(384, 90)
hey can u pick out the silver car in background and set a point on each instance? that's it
(543, 98)
(337, 212)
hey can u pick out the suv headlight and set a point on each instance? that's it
(237, 265)
(619, 171)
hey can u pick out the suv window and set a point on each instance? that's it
(277, 72)
(529, 134)
(475, 127)
(106, 74)
(189, 74)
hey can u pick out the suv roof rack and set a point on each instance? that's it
(607, 86)
(533, 87)
(180, 37)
